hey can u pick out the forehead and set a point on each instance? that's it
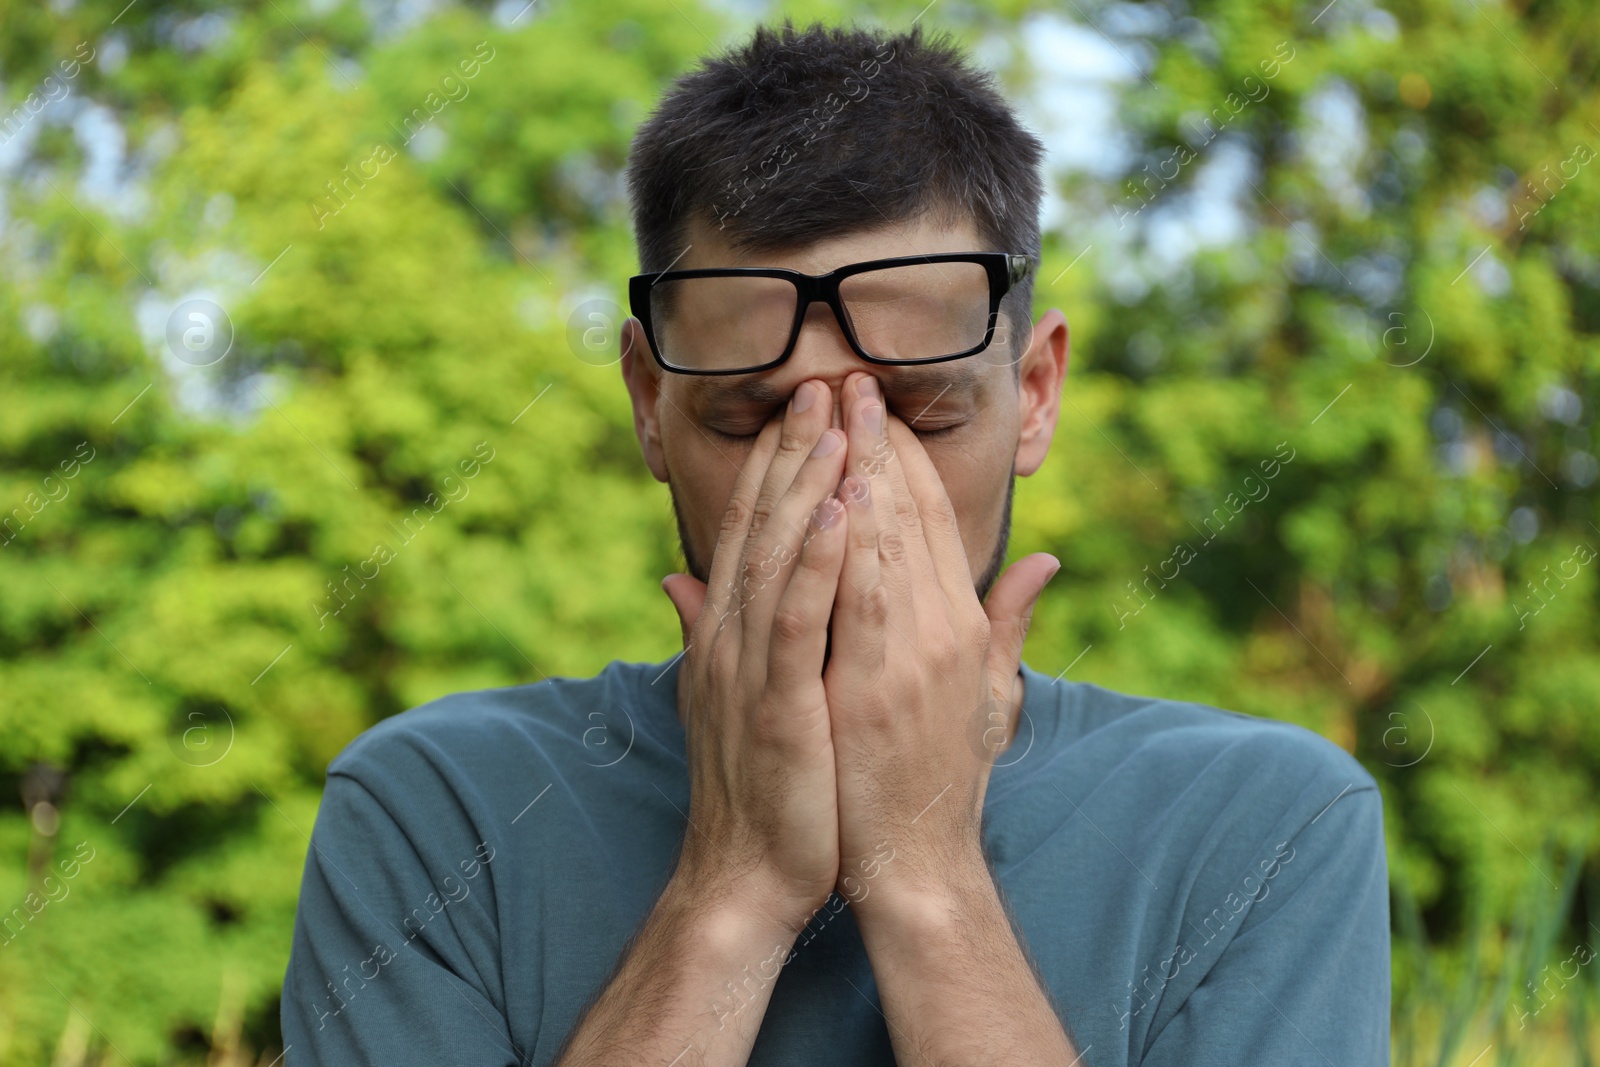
(707, 246)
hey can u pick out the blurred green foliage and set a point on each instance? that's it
(1409, 310)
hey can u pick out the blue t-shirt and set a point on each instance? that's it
(1198, 888)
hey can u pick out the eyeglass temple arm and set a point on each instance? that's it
(1019, 267)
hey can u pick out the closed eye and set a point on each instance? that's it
(732, 436)
(753, 434)
(743, 415)
(940, 432)
(756, 424)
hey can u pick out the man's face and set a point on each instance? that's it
(978, 422)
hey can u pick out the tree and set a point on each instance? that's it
(1326, 451)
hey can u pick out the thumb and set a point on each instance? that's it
(688, 596)
(1010, 610)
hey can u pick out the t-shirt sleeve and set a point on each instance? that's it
(379, 970)
(1306, 979)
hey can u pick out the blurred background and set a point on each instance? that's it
(270, 273)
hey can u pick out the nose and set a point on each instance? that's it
(836, 384)
(826, 356)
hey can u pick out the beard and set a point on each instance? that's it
(701, 569)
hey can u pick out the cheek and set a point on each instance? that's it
(975, 477)
(703, 474)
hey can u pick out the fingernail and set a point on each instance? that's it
(869, 387)
(826, 445)
(802, 399)
(872, 415)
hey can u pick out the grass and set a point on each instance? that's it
(1523, 996)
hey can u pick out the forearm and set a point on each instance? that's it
(955, 984)
(691, 989)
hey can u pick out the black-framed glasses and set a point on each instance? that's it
(908, 309)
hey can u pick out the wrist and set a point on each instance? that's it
(912, 910)
(751, 904)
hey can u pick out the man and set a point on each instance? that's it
(846, 824)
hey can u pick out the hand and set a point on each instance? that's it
(916, 663)
(763, 814)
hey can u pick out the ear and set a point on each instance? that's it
(1039, 378)
(643, 379)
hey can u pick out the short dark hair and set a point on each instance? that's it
(802, 135)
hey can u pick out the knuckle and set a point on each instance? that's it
(863, 534)
(891, 548)
(721, 667)
(939, 516)
(876, 601)
(759, 569)
(771, 565)
(769, 729)
(713, 620)
(784, 554)
(729, 617)
(736, 520)
(945, 650)
(874, 715)
(760, 513)
(793, 442)
(791, 623)
(906, 510)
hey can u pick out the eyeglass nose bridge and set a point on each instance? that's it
(822, 289)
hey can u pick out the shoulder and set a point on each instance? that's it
(1205, 738)
(1226, 738)
(1185, 763)
(489, 736)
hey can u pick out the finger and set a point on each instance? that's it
(927, 591)
(1010, 609)
(906, 570)
(861, 602)
(937, 516)
(800, 426)
(808, 414)
(799, 635)
(729, 552)
(688, 596)
(870, 458)
(772, 555)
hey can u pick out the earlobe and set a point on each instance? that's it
(640, 375)
(1039, 381)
